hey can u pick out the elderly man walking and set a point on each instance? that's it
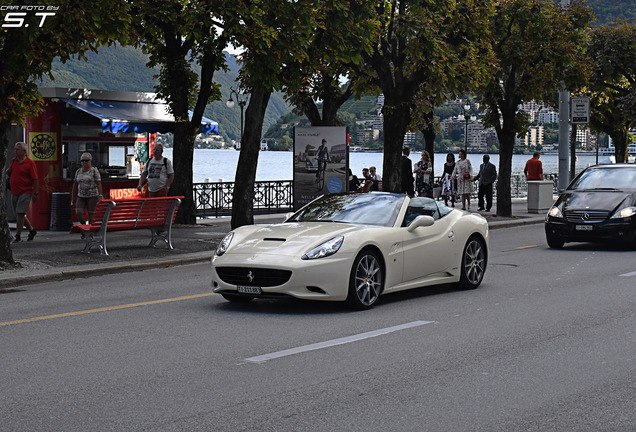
(159, 174)
(23, 179)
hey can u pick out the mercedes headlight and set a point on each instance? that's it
(329, 247)
(555, 212)
(225, 244)
(624, 213)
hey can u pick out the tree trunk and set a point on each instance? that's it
(620, 141)
(506, 136)
(6, 254)
(397, 117)
(243, 197)
(183, 156)
(572, 152)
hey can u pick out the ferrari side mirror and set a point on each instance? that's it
(420, 221)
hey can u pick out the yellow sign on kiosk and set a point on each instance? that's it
(43, 146)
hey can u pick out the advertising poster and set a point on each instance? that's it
(321, 159)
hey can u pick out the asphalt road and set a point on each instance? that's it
(547, 343)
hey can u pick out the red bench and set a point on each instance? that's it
(156, 214)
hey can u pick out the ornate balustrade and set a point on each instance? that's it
(215, 199)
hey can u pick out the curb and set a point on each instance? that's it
(82, 271)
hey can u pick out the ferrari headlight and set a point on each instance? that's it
(225, 244)
(329, 247)
(624, 213)
(555, 212)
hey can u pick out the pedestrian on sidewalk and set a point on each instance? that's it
(23, 179)
(448, 183)
(159, 174)
(407, 175)
(534, 167)
(463, 173)
(486, 177)
(87, 189)
(423, 170)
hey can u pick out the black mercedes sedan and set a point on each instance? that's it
(598, 206)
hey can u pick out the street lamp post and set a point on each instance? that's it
(466, 117)
(241, 99)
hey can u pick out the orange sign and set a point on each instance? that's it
(127, 193)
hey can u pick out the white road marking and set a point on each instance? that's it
(628, 274)
(334, 342)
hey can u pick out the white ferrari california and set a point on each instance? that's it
(353, 247)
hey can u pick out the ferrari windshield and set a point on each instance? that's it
(357, 208)
(615, 178)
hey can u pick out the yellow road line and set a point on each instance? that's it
(104, 309)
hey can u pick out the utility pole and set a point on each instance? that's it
(564, 130)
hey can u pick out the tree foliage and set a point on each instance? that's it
(276, 36)
(612, 83)
(178, 34)
(334, 56)
(26, 55)
(417, 46)
(537, 45)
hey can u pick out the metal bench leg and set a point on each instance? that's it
(164, 234)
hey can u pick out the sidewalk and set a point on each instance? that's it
(56, 255)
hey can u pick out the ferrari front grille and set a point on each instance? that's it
(253, 276)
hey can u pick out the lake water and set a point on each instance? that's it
(221, 164)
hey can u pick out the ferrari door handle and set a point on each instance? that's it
(451, 234)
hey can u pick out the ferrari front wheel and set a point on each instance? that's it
(365, 281)
(473, 265)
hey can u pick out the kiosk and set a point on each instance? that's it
(117, 128)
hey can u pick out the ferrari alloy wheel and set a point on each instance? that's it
(365, 282)
(473, 264)
(554, 243)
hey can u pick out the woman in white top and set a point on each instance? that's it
(463, 172)
(87, 189)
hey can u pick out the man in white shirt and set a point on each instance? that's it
(373, 174)
(159, 173)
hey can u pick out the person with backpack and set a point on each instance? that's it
(159, 174)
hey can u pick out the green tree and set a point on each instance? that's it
(177, 34)
(537, 45)
(612, 83)
(335, 53)
(417, 43)
(27, 52)
(283, 144)
(276, 37)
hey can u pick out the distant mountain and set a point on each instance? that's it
(607, 11)
(124, 69)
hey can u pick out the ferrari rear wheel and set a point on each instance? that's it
(237, 298)
(473, 264)
(366, 281)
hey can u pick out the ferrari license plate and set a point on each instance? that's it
(584, 227)
(248, 289)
